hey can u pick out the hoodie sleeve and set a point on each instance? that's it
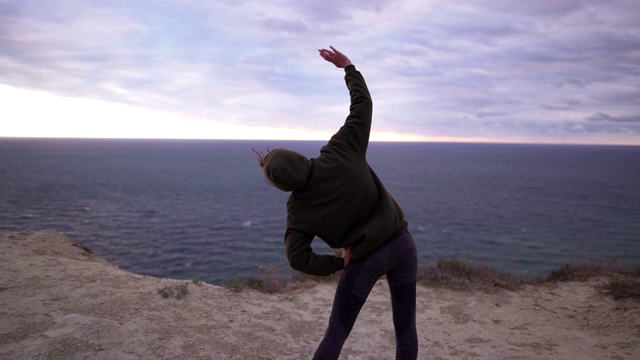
(357, 127)
(301, 257)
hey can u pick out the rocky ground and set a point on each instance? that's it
(59, 301)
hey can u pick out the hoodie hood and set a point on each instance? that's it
(287, 170)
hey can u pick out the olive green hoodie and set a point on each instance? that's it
(335, 196)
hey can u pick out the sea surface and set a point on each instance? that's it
(192, 209)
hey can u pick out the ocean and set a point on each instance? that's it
(201, 209)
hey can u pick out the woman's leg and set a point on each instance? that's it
(398, 260)
(354, 287)
(402, 285)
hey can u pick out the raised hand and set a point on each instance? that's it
(335, 57)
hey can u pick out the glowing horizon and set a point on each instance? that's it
(65, 117)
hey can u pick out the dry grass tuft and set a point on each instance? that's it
(621, 282)
(269, 281)
(457, 275)
(623, 287)
(272, 281)
(177, 291)
(581, 272)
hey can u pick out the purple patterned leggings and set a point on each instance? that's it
(397, 260)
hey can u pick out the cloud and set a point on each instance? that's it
(295, 27)
(489, 114)
(537, 8)
(565, 107)
(501, 68)
(616, 119)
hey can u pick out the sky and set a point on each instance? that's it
(545, 71)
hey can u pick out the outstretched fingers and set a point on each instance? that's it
(326, 54)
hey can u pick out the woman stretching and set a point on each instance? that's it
(338, 198)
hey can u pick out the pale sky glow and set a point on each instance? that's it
(88, 118)
(551, 71)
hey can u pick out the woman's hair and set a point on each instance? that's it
(260, 156)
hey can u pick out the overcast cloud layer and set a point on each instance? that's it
(548, 70)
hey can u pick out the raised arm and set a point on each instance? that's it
(357, 127)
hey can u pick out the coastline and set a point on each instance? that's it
(59, 301)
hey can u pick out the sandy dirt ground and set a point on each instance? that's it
(58, 301)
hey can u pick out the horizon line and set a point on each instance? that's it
(442, 141)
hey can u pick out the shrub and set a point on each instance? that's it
(580, 272)
(623, 287)
(269, 281)
(177, 291)
(457, 275)
(620, 282)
